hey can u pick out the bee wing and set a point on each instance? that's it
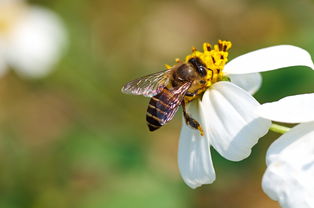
(172, 99)
(149, 85)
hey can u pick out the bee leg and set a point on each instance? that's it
(192, 94)
(190, 121)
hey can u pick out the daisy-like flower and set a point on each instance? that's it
(226, 110)
(288, 178)
(31, 38)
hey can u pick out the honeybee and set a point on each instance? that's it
(170, 89)
(180, 84)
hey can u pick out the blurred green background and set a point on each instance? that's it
(73, 140)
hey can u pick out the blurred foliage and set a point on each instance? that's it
(73, 140)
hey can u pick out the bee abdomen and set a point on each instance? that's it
(161, 109)
(154, 114)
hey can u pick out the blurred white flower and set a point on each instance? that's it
(227, 112)
(288, 178)
(32, 38)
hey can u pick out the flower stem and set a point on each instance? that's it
(278, 128)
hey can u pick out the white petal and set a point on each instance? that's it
(289, 176)
(231, 123)
(287, 185)
(249, 82)
(36, 42)
(194, 157)
(292, 109)
(290, 144)
(270, 58)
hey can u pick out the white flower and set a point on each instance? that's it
(31, 38)
(288, 178)
(227, 113)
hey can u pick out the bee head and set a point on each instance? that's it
(198, 65)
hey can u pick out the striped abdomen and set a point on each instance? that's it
(163, 106)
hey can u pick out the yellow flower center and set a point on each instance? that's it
(214, 59)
